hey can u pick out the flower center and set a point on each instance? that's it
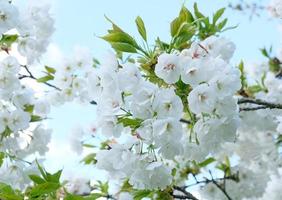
(3, 17)
(202, 97)
(170, 66)
(191, 71)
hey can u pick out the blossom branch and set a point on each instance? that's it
(181, 120)
(262, 104)
(216, 181)
(31, 76)
(187, 195)
(181, 197)
(219, 186)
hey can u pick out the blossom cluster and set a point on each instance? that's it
(22, 108)
(71, 78)
(275, 8)
(256, 149)
(128, 103)
(158, 123)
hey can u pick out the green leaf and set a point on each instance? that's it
(42, 171)
(73, 197)
(8, 40)
(140, 194)
(206, 162)
(197, 13)
(126, 187)
(124, 47)
(89, 145)
(120, 37)
(89, 159)
(129, 122)
(7, 193)
(95, 196)
(164, 195)
(114, 26)
(174, 26)
(54, 178)
(29, 108)
(4, 188)
(45, 188)
(35, 118)
(10, 197)
(44, 79)
(161, 45)
(50, 69)
(141, 27)
(217, 15)
(7, 132)
(104, 187)
(243, 76)
(184, 17)
(279, 139)
(2, 156)
(254, 89)
(222, 24)
(264, 52)
(36, 179)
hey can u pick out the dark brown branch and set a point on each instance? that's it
(181, 120)
(185, 121)
(233, 177)
(253, 108)
(179, 196)
(262, 104)
(222, 189)
(188, 195)
(31, 76)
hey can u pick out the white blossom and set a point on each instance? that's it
(202, 99)
(168, 68)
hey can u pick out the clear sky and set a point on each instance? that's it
(80, 22)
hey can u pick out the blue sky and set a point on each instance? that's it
(80, 22)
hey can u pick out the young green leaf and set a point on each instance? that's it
(120, 37)
(35, 118)
(2, 156)
(89, 159)
(141, 27)
(44, 189)
(44, 79)
(217, 15)
(50, 70)
(8, 40)
(36, 179)
(197, 13)
(206, 162)
(124, 47)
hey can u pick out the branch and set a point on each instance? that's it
(30, 75)
(206, 181)
(180, 197)
(222, 189)
(262, 104)
(181, 120)
(253, 108)
(187, 195)
(185, 121)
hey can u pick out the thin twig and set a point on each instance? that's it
(188, 195)
(180, 196)
(262, 104)
(31, 76)
(253, 108)
(181, 120)
(185, 121)
(220, 187)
